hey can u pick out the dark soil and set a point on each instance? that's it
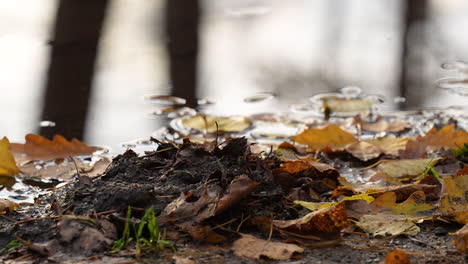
(81, 220)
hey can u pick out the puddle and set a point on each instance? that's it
(266, 125)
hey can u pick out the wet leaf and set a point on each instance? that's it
(331, 138)
(382, 224)
(460, 240)
(40, 148)
(225, 124)
(411, 206)
(397, 256)
(7, 206)
(405, 167)
(453, 201)
(255, 248)
(328, 220)
(7, 161)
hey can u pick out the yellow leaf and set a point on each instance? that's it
(332, 137)
(411, 206)
(7, 162)
(461, 239)
(315, 206)
(453, 201)
(405, 167)
(225, 124)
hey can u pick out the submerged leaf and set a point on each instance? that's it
(7, 162)
(331, 137)
(251, 247)
(213, 124)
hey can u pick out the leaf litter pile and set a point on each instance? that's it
(330, 193)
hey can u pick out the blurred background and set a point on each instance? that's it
(293, 48)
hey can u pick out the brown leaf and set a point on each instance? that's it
(251, 247)
(363, 150)
(40, 148)
(402, 191)
(397, 256)
(461, 239)
(330, 138)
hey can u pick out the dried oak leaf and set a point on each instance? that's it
(397, 256)
(7, 206)
(330, 138)
(382, 224)
(395, 169)
(328, 220)
(414, 204)
(7, 161)
(461, 239)
(446, 137)
(40, 148)
(453, 201)
(255, 248)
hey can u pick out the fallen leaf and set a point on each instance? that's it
(224, 124)
(183, 260)
(389, 145)
(445, 137)
(255, 248)
(338, 105)
(40, 148)
(330, 138)
(460, 240)
(382, 224)
(7, 161)
(363, 150)
(7, 206)
(397, 256)
(402, 191)
(405, 167)
(411, 206)
(328, 220)
(315, 206)
(453, 201)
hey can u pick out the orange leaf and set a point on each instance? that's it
(330, 138)
(40, 148)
